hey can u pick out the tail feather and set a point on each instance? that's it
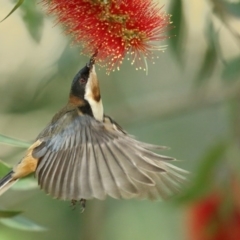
(6, 182)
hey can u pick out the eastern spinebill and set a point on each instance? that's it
(84, 154)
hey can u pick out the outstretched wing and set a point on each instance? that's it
(82, 158)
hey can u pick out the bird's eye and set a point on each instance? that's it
(82, 80)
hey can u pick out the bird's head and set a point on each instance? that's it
(86, 81)
(85, 88)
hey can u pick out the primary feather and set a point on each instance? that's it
(88, 159)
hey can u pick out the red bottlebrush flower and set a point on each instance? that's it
(112, 27)
(213, 218)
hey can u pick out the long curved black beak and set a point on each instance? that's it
(92, 60)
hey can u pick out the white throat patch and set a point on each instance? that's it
(92, 87)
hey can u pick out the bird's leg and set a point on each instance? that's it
(83, 204)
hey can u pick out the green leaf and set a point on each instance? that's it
(18, 4)
(222, 9)
(4, 169)
(27, 183)
(22, 223)
(33, 19)
(233, 8)
(177, 18)
(232, 69)
(208, 65)
(9, 214)
(203, 178)
(210, 56)
(13, 142)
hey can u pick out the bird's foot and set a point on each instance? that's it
(83, 204)
(73, 203)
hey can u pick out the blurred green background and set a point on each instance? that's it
(189, 101)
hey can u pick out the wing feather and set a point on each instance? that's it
(84, 183)
(83, 158)
(47, 178)
(42, 166)
(94, 173)
(121, 177)
(58, 176)
(137, 159)
(66, 176)
(130, 168)
(79, 153)
(107, 177)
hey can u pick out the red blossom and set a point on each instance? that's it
(214, 218)
(112, 27)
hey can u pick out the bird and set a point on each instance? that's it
(84, 154)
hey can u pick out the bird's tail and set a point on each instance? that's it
(6, 182)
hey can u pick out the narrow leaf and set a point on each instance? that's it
(33, 19)
(202, 180)
(233, 8)
(4, 169)
(22, 223)
(27, 183)
(9, 214)
(210, 56)
(209, 62)
(232, 69)
(14, 142)
(176, 33)
(18, 4)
